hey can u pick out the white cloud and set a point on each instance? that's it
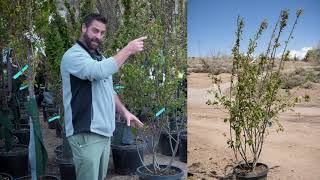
(300, 54)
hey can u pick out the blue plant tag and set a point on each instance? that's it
(160, 112)
(21, 71)
(22, 87)
(54, 118)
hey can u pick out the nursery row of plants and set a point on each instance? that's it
(34, 36)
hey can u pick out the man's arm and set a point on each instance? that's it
(131, 119)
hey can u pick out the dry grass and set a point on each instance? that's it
(295, 73)
(302, 77)
(207, 65)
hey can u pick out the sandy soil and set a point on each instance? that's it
(292, 154)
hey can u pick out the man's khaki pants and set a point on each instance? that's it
(90, 155)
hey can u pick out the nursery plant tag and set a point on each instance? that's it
(21, 71)
(54, 118)
(119, 87)
(23, 87)
(160, 112)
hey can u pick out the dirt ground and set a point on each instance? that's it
(51, 141)
(292, 154)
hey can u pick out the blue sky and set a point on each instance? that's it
(212, 24)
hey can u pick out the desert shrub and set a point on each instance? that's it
(313, 55)
(299, 77)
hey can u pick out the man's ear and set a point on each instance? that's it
(83, 28)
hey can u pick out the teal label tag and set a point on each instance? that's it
(21, 71)
(160, 112)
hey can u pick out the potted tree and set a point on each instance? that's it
(151, 80)
(58, 40)
(255, 98)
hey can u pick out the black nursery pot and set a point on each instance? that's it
(5, 176)
(164, 144)
(45, 177)
(241, 172)
(66, 168)
(23, 134)
(15, 161)
(15, 141)
(146, 175)
(126, 159)
(183, 148)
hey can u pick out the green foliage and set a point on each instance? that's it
(152, 79)
(141, 87)
(254, 101)
(57, 41)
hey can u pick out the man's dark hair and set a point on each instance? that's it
(94, 16)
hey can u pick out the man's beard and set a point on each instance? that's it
(92, 43)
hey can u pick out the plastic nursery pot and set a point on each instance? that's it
(183, 147)
(15, 141)
(44, 177)
(24, 119)
(126, 159)
(23, 133)
(164, 146)
(15, 161)
(242, 172)
(66, 168)
(175, 173)
(5, 176)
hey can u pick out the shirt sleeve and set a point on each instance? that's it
(81, 65)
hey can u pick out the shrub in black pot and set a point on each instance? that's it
(255, 98)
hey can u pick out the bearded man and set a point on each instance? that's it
(89, 100)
